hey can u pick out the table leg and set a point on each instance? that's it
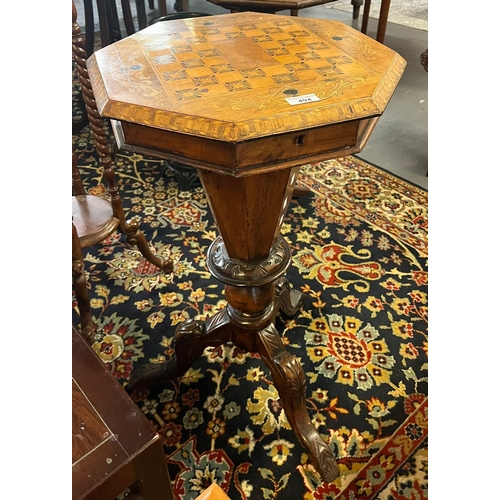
(290, 381)
(366, 16)
(190, 339)
(81, 292)
(135, 237)
(153, 479)
(382, 22)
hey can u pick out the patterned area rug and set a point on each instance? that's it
(359, 246)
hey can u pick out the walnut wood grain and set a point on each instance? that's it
(247, 157)
(248, 215)
(215, 93)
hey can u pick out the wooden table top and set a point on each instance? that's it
(241, 76)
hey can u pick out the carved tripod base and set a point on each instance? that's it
(192, 337)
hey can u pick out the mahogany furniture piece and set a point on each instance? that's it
(95, 218)
(382, 21)
(273, 6)
(114, 445)
(268, 6)
(247, 98)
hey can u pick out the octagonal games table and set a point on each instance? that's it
(246, 98)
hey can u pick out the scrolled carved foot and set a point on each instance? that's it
(192, 337)
(286, 298)
(290, 381)
(322, 458)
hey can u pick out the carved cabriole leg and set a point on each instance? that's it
(129, 227)
(287, 373)
(190, 339)
(290, 381)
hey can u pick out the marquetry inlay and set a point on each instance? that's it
(230, 77)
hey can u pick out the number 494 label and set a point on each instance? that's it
(301, 99)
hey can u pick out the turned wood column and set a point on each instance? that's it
(249, 256)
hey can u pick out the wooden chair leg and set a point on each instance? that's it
(181, 6)
(142, 19)
(89, 26)
(80, 287)
(163, 7)
(366, 15)
(382, 21)
(127, 18)
(356, 5)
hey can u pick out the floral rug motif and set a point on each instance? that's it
(359, 253)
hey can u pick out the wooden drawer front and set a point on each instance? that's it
(283, 150)
(293, 145)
